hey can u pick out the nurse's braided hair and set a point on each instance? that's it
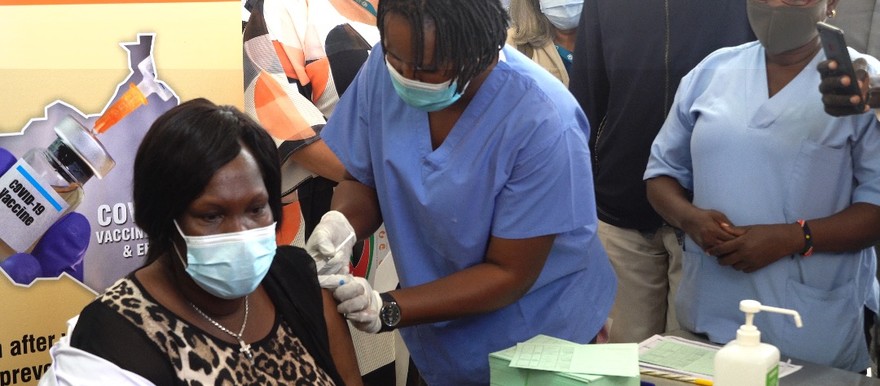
(469, 32)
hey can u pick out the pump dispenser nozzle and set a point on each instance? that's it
(752, 307)
(748, 334)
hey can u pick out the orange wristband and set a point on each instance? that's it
(808, 238)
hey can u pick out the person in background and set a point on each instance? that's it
(861, 21)
(216, 302)
(779, 200)
(300, 56)
(858, 19)
(544, 30)
(477, 161)
(630, 57)
(837, 99)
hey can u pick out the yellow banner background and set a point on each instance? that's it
(72, 53)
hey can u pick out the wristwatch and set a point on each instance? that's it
(389, 314)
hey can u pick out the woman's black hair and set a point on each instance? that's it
(469, 32)
(179, 155)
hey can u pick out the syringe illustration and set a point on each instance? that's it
(135, 97)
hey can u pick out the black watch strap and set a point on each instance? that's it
(389, 313)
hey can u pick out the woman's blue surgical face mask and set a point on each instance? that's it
(563, 14)
(229, 265)
(424, 96)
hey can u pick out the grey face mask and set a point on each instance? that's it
(781, 29)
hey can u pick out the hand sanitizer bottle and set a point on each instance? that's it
(746, 361)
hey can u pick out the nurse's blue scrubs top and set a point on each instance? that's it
(763, 160)
(515, 165)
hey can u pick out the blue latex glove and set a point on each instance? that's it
(6, 160)
(61, 249)
(22, 268)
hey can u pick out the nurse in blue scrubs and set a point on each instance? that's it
(477, 161)
(780, 200)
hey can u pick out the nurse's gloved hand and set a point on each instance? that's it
(330, 244)
(359, 303)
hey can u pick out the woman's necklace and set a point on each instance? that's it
(245, 348)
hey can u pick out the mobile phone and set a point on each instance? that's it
(834, 44)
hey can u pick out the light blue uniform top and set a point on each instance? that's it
(763, 160)
(515, 165)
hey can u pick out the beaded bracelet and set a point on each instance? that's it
(808, 238)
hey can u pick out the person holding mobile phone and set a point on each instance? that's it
(780, 201)
(856, 17)
(836, 50)
(837, 96)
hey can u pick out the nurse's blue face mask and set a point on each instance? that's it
(424, 96)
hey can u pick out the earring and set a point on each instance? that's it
(832, 13)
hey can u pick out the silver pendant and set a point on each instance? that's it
(245, 349)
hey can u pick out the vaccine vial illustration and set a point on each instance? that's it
(47, 183)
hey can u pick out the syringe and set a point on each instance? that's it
(134, 97)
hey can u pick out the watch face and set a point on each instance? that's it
(390, 314)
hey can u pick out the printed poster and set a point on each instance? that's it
(84, 80)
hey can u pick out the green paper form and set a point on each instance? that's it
(619, 359)
(678, 356)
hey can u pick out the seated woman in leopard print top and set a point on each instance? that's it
(217, 302)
